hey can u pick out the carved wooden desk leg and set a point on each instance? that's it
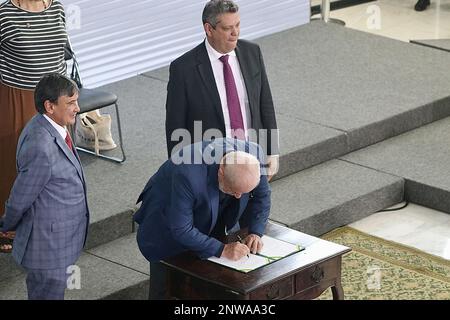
(337, 291)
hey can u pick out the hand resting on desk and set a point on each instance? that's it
(254, 243)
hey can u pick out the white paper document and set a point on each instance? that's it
(273, 250)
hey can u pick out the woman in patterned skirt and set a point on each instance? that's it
(32, 39)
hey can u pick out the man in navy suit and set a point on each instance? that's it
(47, 206)
(209, 97)
(202, 193)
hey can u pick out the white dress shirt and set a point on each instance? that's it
(217, 67)
(61, 130)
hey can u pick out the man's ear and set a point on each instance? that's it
(48, 107)
(208, 29)
(221, 170)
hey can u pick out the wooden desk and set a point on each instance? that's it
(304, 275)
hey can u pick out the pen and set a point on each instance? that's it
(240, 240)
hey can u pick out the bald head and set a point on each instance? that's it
(239, 173)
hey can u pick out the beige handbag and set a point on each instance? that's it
(93, 131)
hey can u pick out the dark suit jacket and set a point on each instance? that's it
(192, 95)
(180, 204)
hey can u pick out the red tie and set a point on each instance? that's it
(69, 141)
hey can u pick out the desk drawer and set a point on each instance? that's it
(281, 289)
(317, 274)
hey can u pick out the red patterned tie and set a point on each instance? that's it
(234, 107)
(69, 141)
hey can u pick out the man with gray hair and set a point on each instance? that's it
(192, 206)
(220, 88)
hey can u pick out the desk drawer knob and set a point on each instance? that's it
(317, 274)
(273, 292)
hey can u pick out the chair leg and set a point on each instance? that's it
(120, 133)
(114, 159)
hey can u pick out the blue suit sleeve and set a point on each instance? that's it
(34, 171)
(258, 208)
(181, 219)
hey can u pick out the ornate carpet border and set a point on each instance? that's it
(385, 250)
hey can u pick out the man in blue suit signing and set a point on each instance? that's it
(47, 205)
(196, 197)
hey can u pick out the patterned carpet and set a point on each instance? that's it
(377, 269)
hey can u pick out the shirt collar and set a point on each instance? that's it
(214, 54)
(61, 130)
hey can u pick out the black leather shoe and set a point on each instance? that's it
(421, 5)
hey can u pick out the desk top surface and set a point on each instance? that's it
(316, 251)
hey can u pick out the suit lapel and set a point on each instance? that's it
(62, 145)
(77, 156)
(70, 155)
(206, 74)
(236, 212)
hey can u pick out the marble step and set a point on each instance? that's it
(421, 157)
(333, 194)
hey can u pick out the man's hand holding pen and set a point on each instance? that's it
(240, 240)
(236, 250)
